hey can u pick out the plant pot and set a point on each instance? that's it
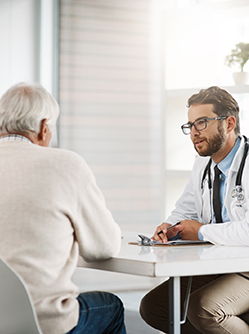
(240, 78)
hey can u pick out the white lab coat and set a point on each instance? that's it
(189, 205)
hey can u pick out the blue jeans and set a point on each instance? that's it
(100, 313)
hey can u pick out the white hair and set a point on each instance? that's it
(24, 106)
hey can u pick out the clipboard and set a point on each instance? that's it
(173, 243)
(145, 241)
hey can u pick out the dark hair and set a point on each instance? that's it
(223, 103)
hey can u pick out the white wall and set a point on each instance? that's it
(26, 44)
(19, 43)
(110, 98)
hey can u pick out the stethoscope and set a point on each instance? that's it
(237, 192)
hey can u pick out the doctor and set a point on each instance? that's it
(214, 207)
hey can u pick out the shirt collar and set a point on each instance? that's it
(15, 137)
(226, 163)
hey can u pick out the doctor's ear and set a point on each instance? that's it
(230, 123)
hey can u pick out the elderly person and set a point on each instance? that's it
(52, 210)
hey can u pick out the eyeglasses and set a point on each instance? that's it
(199, 124)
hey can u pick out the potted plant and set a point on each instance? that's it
(239, 55)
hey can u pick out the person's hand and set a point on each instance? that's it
(188, 229)
(165, 235)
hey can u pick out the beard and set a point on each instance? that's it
(214, 144)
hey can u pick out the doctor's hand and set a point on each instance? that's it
(164, 235)
(188, 229)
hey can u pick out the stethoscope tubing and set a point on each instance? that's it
(242, 164)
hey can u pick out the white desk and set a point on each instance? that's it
(174, 262)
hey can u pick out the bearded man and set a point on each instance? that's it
(212, 209)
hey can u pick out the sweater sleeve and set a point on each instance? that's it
(98, 235)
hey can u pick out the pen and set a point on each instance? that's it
(160, 232)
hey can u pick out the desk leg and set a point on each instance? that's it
(174, 305)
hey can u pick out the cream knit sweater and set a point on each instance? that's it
(51, 210)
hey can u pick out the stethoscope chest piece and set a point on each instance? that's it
(238, 193)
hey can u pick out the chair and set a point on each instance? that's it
(17, 315)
